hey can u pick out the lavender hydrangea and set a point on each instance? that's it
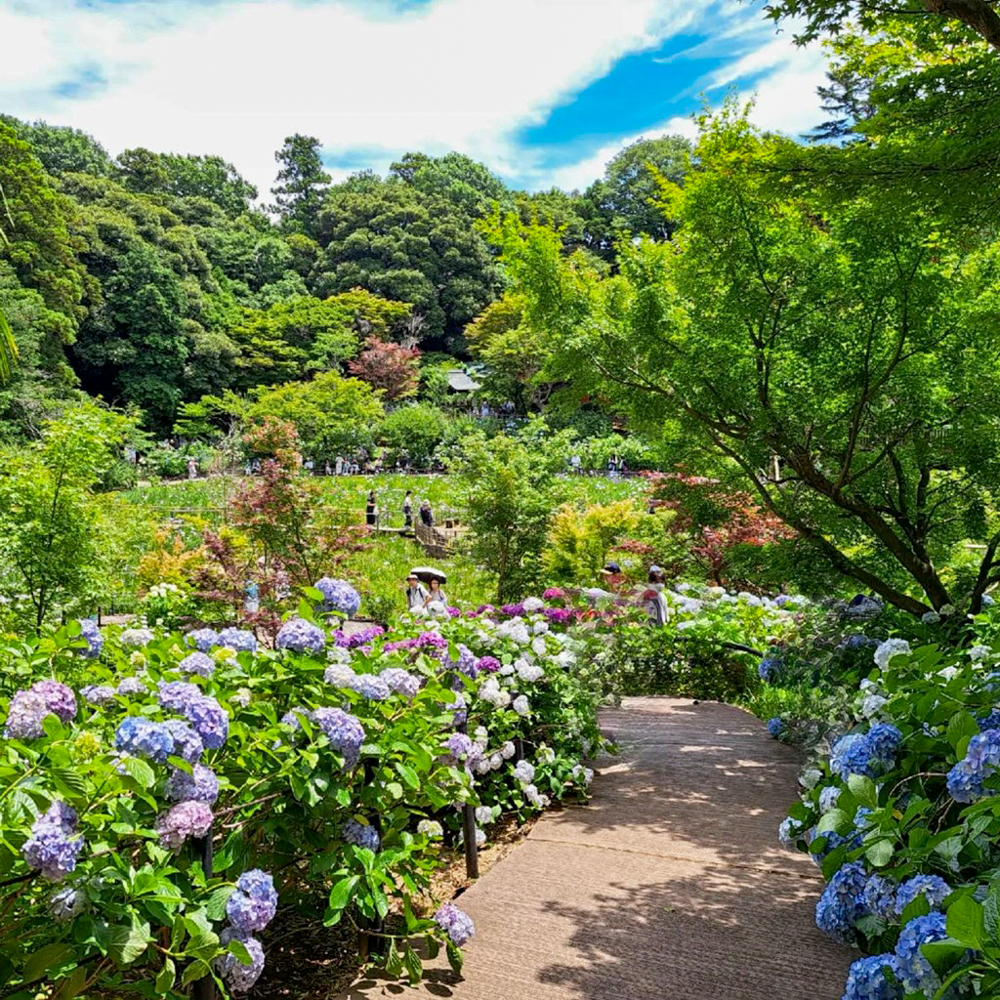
(184, 820)
(90, 634)
(142, 737)
(932, 887)
(841, 904)
(136, 638)
(240, 977)
(455, 923)
(459, 747)
(361, 835)
(187, 743)
(201, 785)
(867, 979)
(401, 681)
(339, 596)
(209, 720)
(24, 716)
(177, 695)
(253, 903)
(198, 663)
(370, 686)
(465, 663)
(130, 687)
(344, 731)
(59, 699)
(238, 639)
(202, 639)
(300, 636)
(53, 848)
(914, 970)
(98, 694)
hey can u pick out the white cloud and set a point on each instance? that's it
(236, 77)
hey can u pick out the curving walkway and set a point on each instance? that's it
(669, 885)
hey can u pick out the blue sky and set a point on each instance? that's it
(543, 91)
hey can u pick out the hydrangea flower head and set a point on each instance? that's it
(879, 897)
(202, 639)
(361, 835)
(841, 904)
(915, 971)
(867, 979)
(430, 828)
(300, 636)
(184, 820)
(130, 687)
(142, 737)
(136, 638)
(67, 903)
(177, 695)
(199, 786)
(91, 634)
(24, 716)
(456, 924)
(775, 727)
(238, 639)
(888, 649)
(253, 903)
(932, 887)
(769, 669)
(982, 756)
(98, 694)
(521, 705)
(488, 664)
(370, 686)
(344, 731)
(187, 743)
(198, 663)
(209, 720)
(52, 848)
(237, 976)
(339, 596)
(59, 699)
(401, 681)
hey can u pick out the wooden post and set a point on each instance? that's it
(204, 988)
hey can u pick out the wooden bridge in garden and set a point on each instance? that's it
(669, 885)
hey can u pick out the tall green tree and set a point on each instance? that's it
(301, 182)
(838, 353)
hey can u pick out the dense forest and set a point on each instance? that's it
(152, 280)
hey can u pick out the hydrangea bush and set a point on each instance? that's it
(900, 810)
(330, 760)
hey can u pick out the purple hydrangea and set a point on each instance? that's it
(932, 887)
(466, 662)
(142, 737)
(253, 903)
(488, 664)
(59, 699)
(240, 977)
(91, 634)
(361, 835)
(301, 636)
(187, 743)
(184, 820)
(339, 596)
(357, 639)
(456, 924)
(202, 639)
(24, 716)
(914, 970)
(344, 731)
(238, 639)
(401, 681)
(98, 694)
(52, 847)
(198, 663)
(459, 748)
(177, 695)
(209, 720)
(201, 785)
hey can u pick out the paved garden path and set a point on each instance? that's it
(669, 885)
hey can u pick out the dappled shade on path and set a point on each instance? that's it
(670, 885)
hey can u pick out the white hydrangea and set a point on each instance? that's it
(524, 772)
(506, 670)
(546, 755)
(430, 828)
(496, 761)
(538, 645)
(872, 704)
(540, 627)
(508, 750)
(529, 672)
(788, 832)
(483, 766)
(532, 604)
(890, 648)
(339, 675)
(338, 654)
(566, 659)
(492, 693)
(948, 673)
(978, 653)
(580, 772)
(484, 815)
(810, 778)
(521, 705)
(538, 800)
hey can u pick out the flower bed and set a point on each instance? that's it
(330, 762)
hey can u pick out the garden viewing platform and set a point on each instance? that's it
(669, 885)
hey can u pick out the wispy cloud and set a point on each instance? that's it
(370, 80)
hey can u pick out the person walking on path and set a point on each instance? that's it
(657, 610)
(408, 509)
(426, 514)
(416, 592)
(371, 510)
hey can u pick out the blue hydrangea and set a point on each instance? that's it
(932, 887)
(991, 721)
(863, 608)
(867, 979)
(202, 639)
(142, 737)
(339, 596)
(982, 756)
(841, 904)
(198, 663)
(238, 639)
(879, 898)
(855, 642)
(91, 634)
(209, 720)
(345, 732)
(187, 743)
(200, 786)
(301, 636)
(455, 923)
(884, 740)
(177, 695)
(769, 669)
(868, 754)
(828, 798)
(401, 681)
(775, 727)
(361, 835)
(53, 848)
(370, 686)
(252, 904)
(914, 969)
